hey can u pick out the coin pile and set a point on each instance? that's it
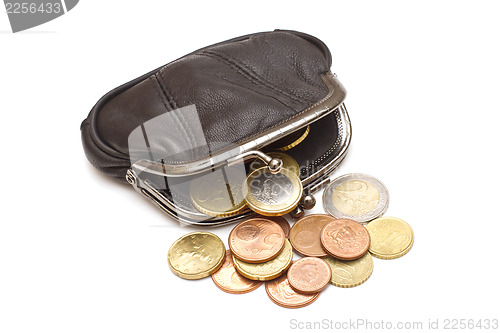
(337, 248)
(229, 190)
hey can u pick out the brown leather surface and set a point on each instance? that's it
(240, 87)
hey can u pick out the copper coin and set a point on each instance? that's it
(305, 234)
(309, 275)
(345, 239)
(283, 223)
(230, 281)
(256, 240)
(281, 293)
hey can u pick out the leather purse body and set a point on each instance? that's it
(228, 102)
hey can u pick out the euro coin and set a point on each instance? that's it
(219, 193)
(309, 275)
(282, 222)
(267, 270)
(229, 280)
(272, 194)
(391, 237)
(290, 141)
(348, 274)
(288, 162)
(345, 239)
(256, 240)
(356, 196)
(305, 235)
(196, 255)
(282, 294)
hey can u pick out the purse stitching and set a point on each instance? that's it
(253, 78)
(173, 104)
(176, 119)
(258, 76)
(257, 92)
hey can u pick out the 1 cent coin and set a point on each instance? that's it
(345, 239)
(305, 235)
(282, 294)
(391, 237)
(229, 280)
(309, 275)
(256, 240)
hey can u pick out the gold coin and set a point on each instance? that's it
(229, 280)
(352, 273)
(288, 162)
(272, 194)
(219, 193)
(196, 255)
(290, 141)
(391, 237)
(267, 270)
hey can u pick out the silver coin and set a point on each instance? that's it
(356, 196)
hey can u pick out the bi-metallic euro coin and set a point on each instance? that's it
(356, 196)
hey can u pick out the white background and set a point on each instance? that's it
(81, 253)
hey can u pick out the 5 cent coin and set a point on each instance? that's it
(256, 240)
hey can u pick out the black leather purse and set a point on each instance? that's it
(228, 103)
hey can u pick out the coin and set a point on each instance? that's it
(282, 294)
(282, 222)
(391, 237)
(219, 193)
(272, 194)
(345, 239)
(196, 255)
(267, 270)
(348, 274)
(356, 196)
(256, 240)
(305, 235)
(290, 141)
(288, 162)
(309, 275)
(229, 280)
